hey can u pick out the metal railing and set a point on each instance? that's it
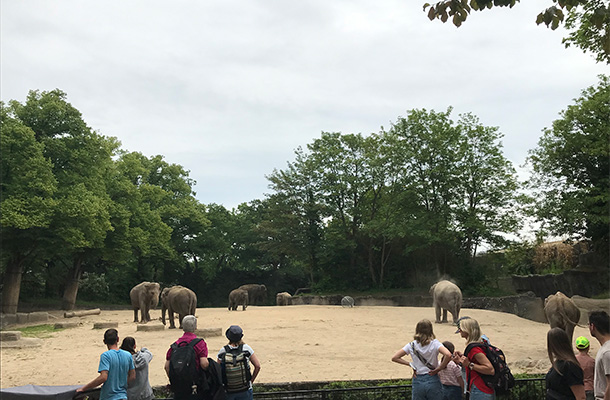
(524, 389)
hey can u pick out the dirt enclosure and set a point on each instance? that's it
(293, 343)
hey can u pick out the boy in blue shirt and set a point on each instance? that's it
(116, 370)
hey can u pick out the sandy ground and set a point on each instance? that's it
(294, 343)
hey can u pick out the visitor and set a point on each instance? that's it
(116, 369)
(235, 359)
(587, 363)
(451, 377)
(475, 361)
(189, 326)
(599, 326)
(424, 351)
(139, 388)
(565, 378)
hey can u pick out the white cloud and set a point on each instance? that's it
(229, 89)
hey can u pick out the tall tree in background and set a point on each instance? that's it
(571, 168)
(26, 202)
(82, 160)
(589, 20)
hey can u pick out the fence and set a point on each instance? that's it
(525, 389)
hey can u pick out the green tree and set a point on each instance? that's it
(26, 202)
(82, 161)
(571, 166)
(589, 20)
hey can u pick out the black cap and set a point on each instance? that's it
(234, 333)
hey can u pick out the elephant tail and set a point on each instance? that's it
(569, 320)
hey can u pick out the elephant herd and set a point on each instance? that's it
(559, 309)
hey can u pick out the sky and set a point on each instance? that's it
(230, 88)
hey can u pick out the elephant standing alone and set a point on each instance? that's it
(561, 312)
(257, 294)
(283, 299)
(238, 297)
(144, 297)
(180, 300)
(448, 296)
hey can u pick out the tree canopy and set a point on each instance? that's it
(571, 167)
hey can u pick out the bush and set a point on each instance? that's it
(93, 287)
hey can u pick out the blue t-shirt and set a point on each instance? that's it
(118, 363)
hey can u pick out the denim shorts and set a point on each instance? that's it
(452, 392)
(427, 387)
(476, 394)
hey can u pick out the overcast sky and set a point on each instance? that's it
(229, 89)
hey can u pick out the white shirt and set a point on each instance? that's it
(428, 352)
(602, 368)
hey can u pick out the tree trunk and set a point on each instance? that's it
(12, 285)
(71, 289)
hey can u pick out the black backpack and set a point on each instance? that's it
(183, 372)
(235, 367)
(502, 380)
(212, 387)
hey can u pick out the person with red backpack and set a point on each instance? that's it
(185, 360)
(475, 361)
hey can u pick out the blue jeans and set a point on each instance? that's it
(452, 392)
(245, 395)
(476, 394)
(427, 387)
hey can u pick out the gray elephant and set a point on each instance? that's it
(561, 312)
(283, 299)
(448, 296)
(144, 297)
(180, 300)
(257, 294)
(238, 297)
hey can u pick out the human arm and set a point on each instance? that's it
(166, 367)
(102, 377)
(398, 357)
(446, 358)
(131, 375)
(482, 366)
(257, 367)
(203, 362)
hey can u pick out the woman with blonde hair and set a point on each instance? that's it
(565, 378)
(424, 352)
(474, 361)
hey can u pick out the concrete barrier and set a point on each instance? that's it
(7, 320)
(208, 332)
(105, 325)
(38, 317)
(150, 327)
(10, 336)
(22, 318)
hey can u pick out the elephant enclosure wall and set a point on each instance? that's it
(294, 343)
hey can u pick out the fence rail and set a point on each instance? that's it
(525, 389)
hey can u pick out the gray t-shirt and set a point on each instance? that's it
(602, 368)
(139, 388)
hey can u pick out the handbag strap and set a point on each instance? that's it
(421, 358)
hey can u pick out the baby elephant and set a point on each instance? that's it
(238, 297)
(283, 299)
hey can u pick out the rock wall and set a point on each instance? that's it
(571, 282)
(526, 305)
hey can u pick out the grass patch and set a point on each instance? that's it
(38, 331)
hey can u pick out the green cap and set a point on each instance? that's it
(582, 342)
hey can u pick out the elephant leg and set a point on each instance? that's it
(570, 331)
(135, 315)
(444, 315)
(170, 316)
(456, 314)
(437, 308)
(181, 316)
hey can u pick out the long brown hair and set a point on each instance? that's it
(129, 345)
(559, 348)
(423, 332)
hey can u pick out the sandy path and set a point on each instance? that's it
(295, 343)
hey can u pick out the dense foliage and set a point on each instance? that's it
(396, 209)
(571, 167)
